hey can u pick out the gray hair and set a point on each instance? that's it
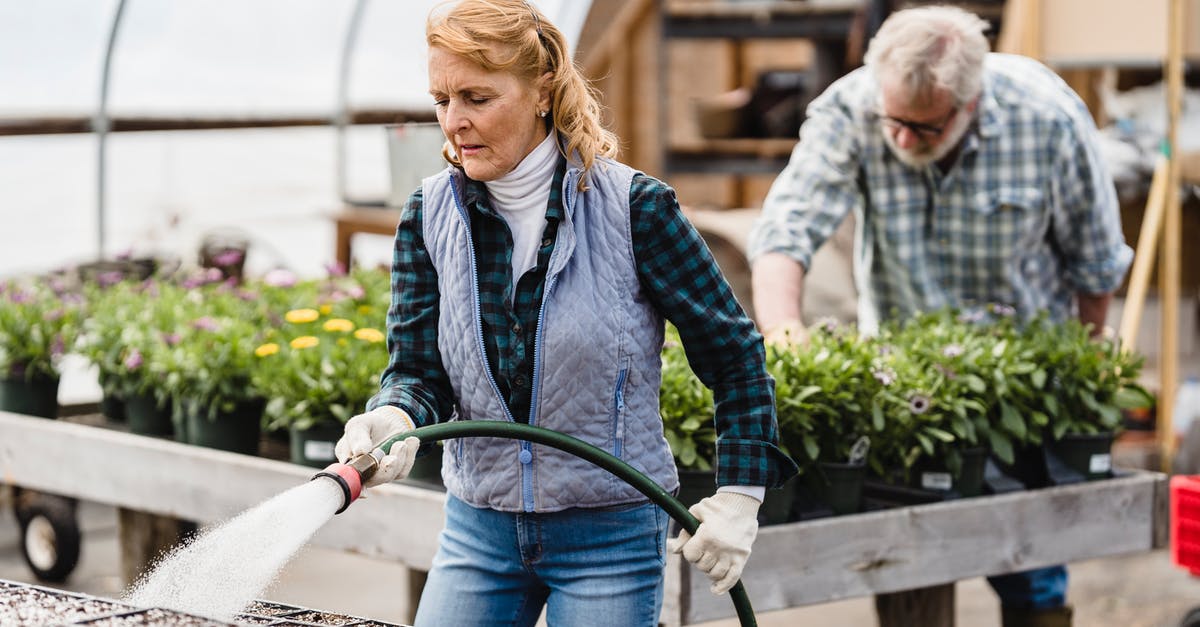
(933, 47)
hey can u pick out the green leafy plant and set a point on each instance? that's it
(323, 363)
(823, 393)
(1089, 379)
(39, 320)
(687, 409)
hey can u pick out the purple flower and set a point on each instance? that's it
(133, 360)
(885, 376)
(205, 323)
(112, 277)
(952, 350)
(280, 277)
(335, 269)
(171, 339)
(919, 404)
(56, 314)
(228, 257)
(1003, 310)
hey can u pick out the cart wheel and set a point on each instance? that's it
(50, 537)
(1191, 619)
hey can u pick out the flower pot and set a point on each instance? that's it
(112, 407)
(32, 397)
(695, 485)
(1028, 466)
(935, 475)
(145, 417)
(777, 504)
(314, 446)
(238, 430)
(838, 485)
(1089, 454)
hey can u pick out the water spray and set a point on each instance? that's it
(352, 474)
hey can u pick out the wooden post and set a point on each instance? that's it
(929, 607)
(1172, 248)
(144, 537)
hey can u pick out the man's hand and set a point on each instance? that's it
(721, 546)
(786, 333)
(364, 431)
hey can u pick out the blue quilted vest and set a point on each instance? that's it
(597, 357)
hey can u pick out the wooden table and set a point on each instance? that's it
(801, 563)
(352, 220)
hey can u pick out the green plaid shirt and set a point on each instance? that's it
(679, 275)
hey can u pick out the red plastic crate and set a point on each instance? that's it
(1185, 522)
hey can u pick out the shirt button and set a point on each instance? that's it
(519, 380)
(546, 242)
(517, 328)
(525, 456)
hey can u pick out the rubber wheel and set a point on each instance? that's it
(1191, 619)
(50, 537)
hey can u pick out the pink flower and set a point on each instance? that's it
(134, 360)
(280, 277)
(205, 323)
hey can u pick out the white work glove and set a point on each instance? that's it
(721, 546)
(364, 431)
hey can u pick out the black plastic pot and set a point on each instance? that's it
(314, 446)
(695, 485)
(238, 430)
(1089, 454)
(32, 397)
(838, 485)
(935, 475)
(145, 417)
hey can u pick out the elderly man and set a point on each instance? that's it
(974, 178)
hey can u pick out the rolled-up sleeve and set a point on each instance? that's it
(818, 187)
(1087, 219)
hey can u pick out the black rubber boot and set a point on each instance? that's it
(1048, 617)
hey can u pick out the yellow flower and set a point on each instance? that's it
(365, 309)
(373, 336)
(338, 324)
(267, 349)
(304, 341)
(325, 309)
(297, 316)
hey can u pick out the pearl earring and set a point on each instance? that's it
(542, 114)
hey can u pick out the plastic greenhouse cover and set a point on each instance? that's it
(218, 56)
(276, 188)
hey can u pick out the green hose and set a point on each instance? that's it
(585, 451)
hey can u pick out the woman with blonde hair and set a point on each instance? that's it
(531, 280)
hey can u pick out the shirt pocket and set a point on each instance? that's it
(1003, 224)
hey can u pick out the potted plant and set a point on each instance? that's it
(38, 321)
(1092, 380)
(131, 327)
(209, 363)
(823, 394)
(687, 411)
(323, 363)
(978, 384)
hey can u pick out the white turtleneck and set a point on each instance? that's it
(520, 197)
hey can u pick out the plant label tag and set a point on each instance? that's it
(318, 451)
(936, 480)
(1100, 462)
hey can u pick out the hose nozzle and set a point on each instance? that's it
(352, 474)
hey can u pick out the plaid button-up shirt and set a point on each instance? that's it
(1026, 217)
(678, 274)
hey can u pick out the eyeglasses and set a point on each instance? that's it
(923, 130)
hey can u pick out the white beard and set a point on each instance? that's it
(925, 154)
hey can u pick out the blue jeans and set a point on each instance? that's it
(1036, 589)
(597, 567)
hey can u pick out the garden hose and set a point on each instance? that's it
(363, 466)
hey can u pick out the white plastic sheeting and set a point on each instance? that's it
(168, 189)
